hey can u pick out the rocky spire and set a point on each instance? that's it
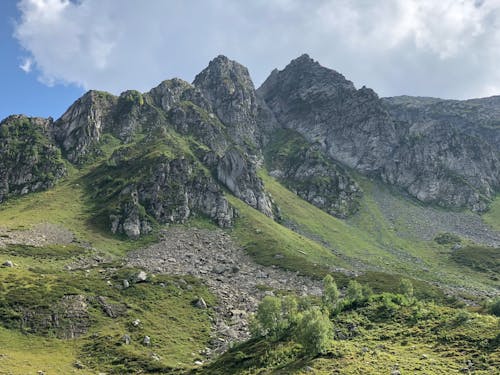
(228, 87)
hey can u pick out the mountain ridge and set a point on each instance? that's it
(350, 127)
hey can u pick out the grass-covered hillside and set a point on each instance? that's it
(65, 308)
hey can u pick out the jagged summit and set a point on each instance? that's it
(229, 128)
(304, 72)
(229, 89)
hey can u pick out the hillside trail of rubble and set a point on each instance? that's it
(237, 281)
(38, 235)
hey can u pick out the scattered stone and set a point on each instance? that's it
(200, 303)
(155, 357)
(236, 291)
(113, 310)
(198, 363)
(424, 356)
(136, 323)
(146, 341)
(40, 372)
(8, 263)
(79, 365)
(126, 284)
(126, 339)
(141, 277)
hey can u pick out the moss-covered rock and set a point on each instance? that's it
(29, 159)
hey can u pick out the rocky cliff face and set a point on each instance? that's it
(479, 118)
(179, 145)
(29, 159)
(307, 170)
(172, 191)
(424, 153)
(81, 127)
(351, 125)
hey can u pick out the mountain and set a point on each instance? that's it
(147, 227)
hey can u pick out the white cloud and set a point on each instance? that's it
(445, 48)
(26, 65)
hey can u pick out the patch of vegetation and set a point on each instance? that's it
(447, 238)
(56, 252)
(492, 216)
(163, 304)
(483, 259)
(365, 334)
(273, 244)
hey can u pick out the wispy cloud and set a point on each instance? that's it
(445, 48)
(26, 64)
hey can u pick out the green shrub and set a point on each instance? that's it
(447, 238)
(354, 291)
(495, 307)
(314, 331)
(330, 293)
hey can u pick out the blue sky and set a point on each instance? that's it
(22, 92)
(446, 48)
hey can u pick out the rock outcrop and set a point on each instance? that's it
(29, 159)
(81, 127)
(229, 89)
(240, 176)
(413, 147)
(443, 166)
(177, 147)
(351, 125)
(306, 170)
(158, 188)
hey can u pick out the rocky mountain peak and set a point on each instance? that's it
(227, 85)
(82, 125)
(304, 72)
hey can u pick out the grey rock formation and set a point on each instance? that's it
(29, 159)
(69, 318)
(171, 192)
(430, 157)
(479, 118)
(81, 127)
(240, 177)
(442, 166)
(229, 89)
(306, 170)
(351, 125)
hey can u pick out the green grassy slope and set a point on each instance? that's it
(421, 339)
(366, 244)
(369, 242)
(492, 217)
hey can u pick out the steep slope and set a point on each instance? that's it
(150, 235)
(436, 164)
(29, 160)
(476, 117)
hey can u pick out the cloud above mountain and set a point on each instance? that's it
(445, 48)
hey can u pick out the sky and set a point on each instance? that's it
(52, 51)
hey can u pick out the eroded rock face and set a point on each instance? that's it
(81, 127)
(307, 171)
(430, 158)
(239, 175)
(172, 192)
(29, 159)
(442, 166)
(67, 319)
(227, 86)
(351, 125)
